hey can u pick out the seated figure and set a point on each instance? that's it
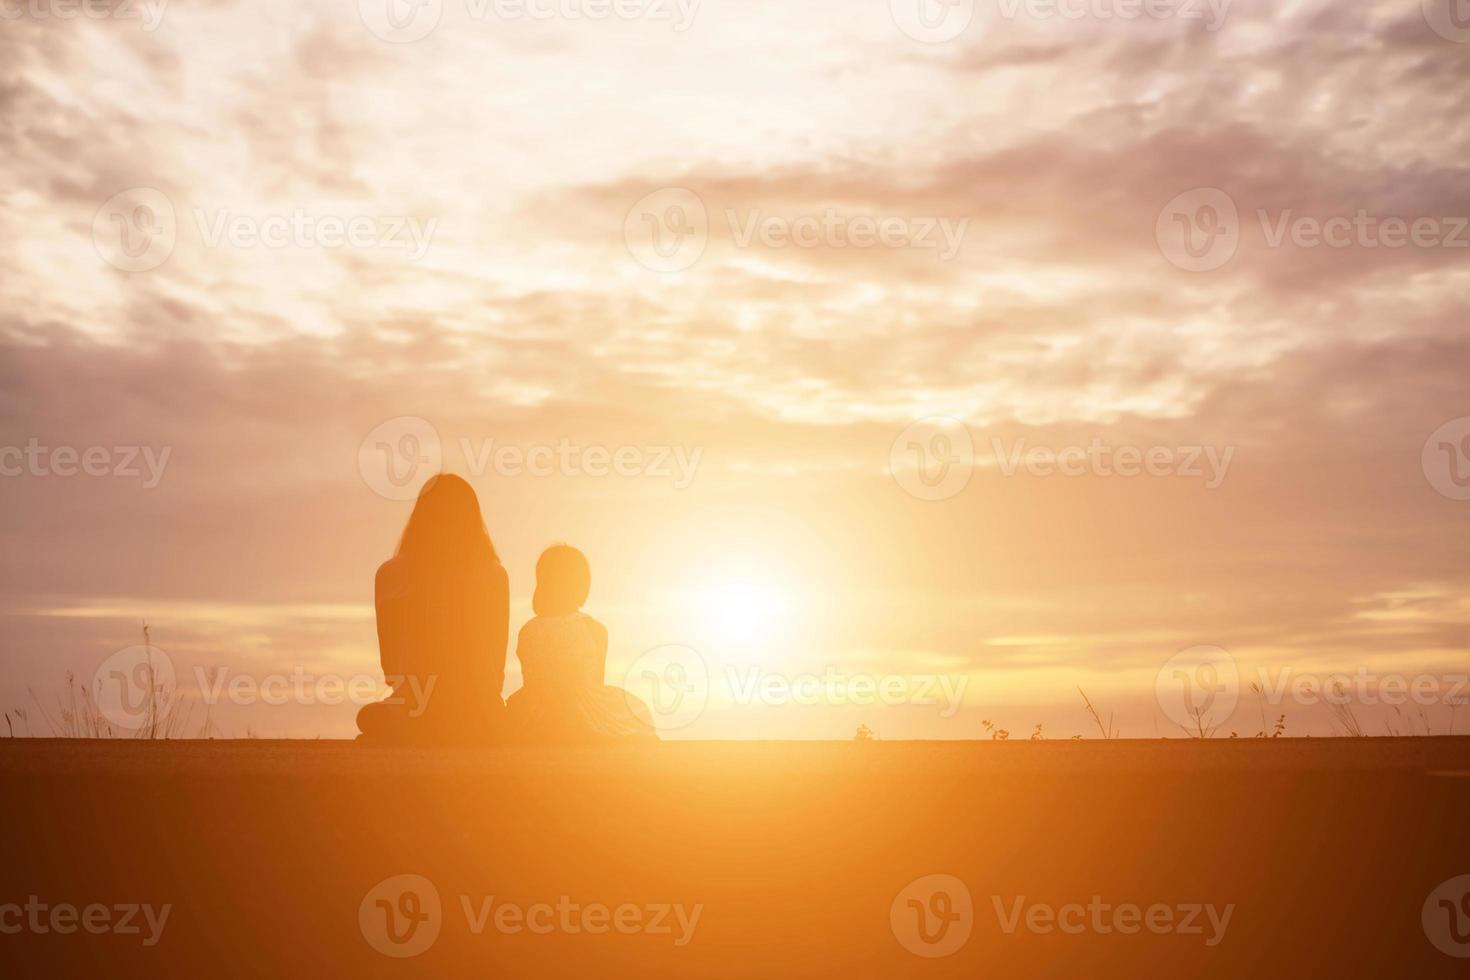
(443, 605)
(563, 656)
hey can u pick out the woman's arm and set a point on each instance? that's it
(390, 628)
(498, 628)
(526, 654)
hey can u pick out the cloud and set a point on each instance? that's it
(527, 318)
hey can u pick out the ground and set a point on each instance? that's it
(1225, 858)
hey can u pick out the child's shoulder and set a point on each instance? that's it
(538, 624)
(573, 632)
(597, 634)
(594, 625)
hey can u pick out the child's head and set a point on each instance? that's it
(563, 579)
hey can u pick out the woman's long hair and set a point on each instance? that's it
(445, 529)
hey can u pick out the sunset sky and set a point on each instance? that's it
(857, 228)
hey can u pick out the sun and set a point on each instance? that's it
(743, 612)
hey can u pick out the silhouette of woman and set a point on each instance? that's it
(563, 655)
(443, 605)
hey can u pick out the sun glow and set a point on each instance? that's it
(743, 612)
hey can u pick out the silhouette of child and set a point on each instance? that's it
(563, 656)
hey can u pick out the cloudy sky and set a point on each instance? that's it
(825, 287)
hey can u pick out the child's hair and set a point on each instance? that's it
(563, 579)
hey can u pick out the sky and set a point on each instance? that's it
(936, 361)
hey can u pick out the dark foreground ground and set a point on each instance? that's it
(1061, 859)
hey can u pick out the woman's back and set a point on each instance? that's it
(443, 606)
(448, 624)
